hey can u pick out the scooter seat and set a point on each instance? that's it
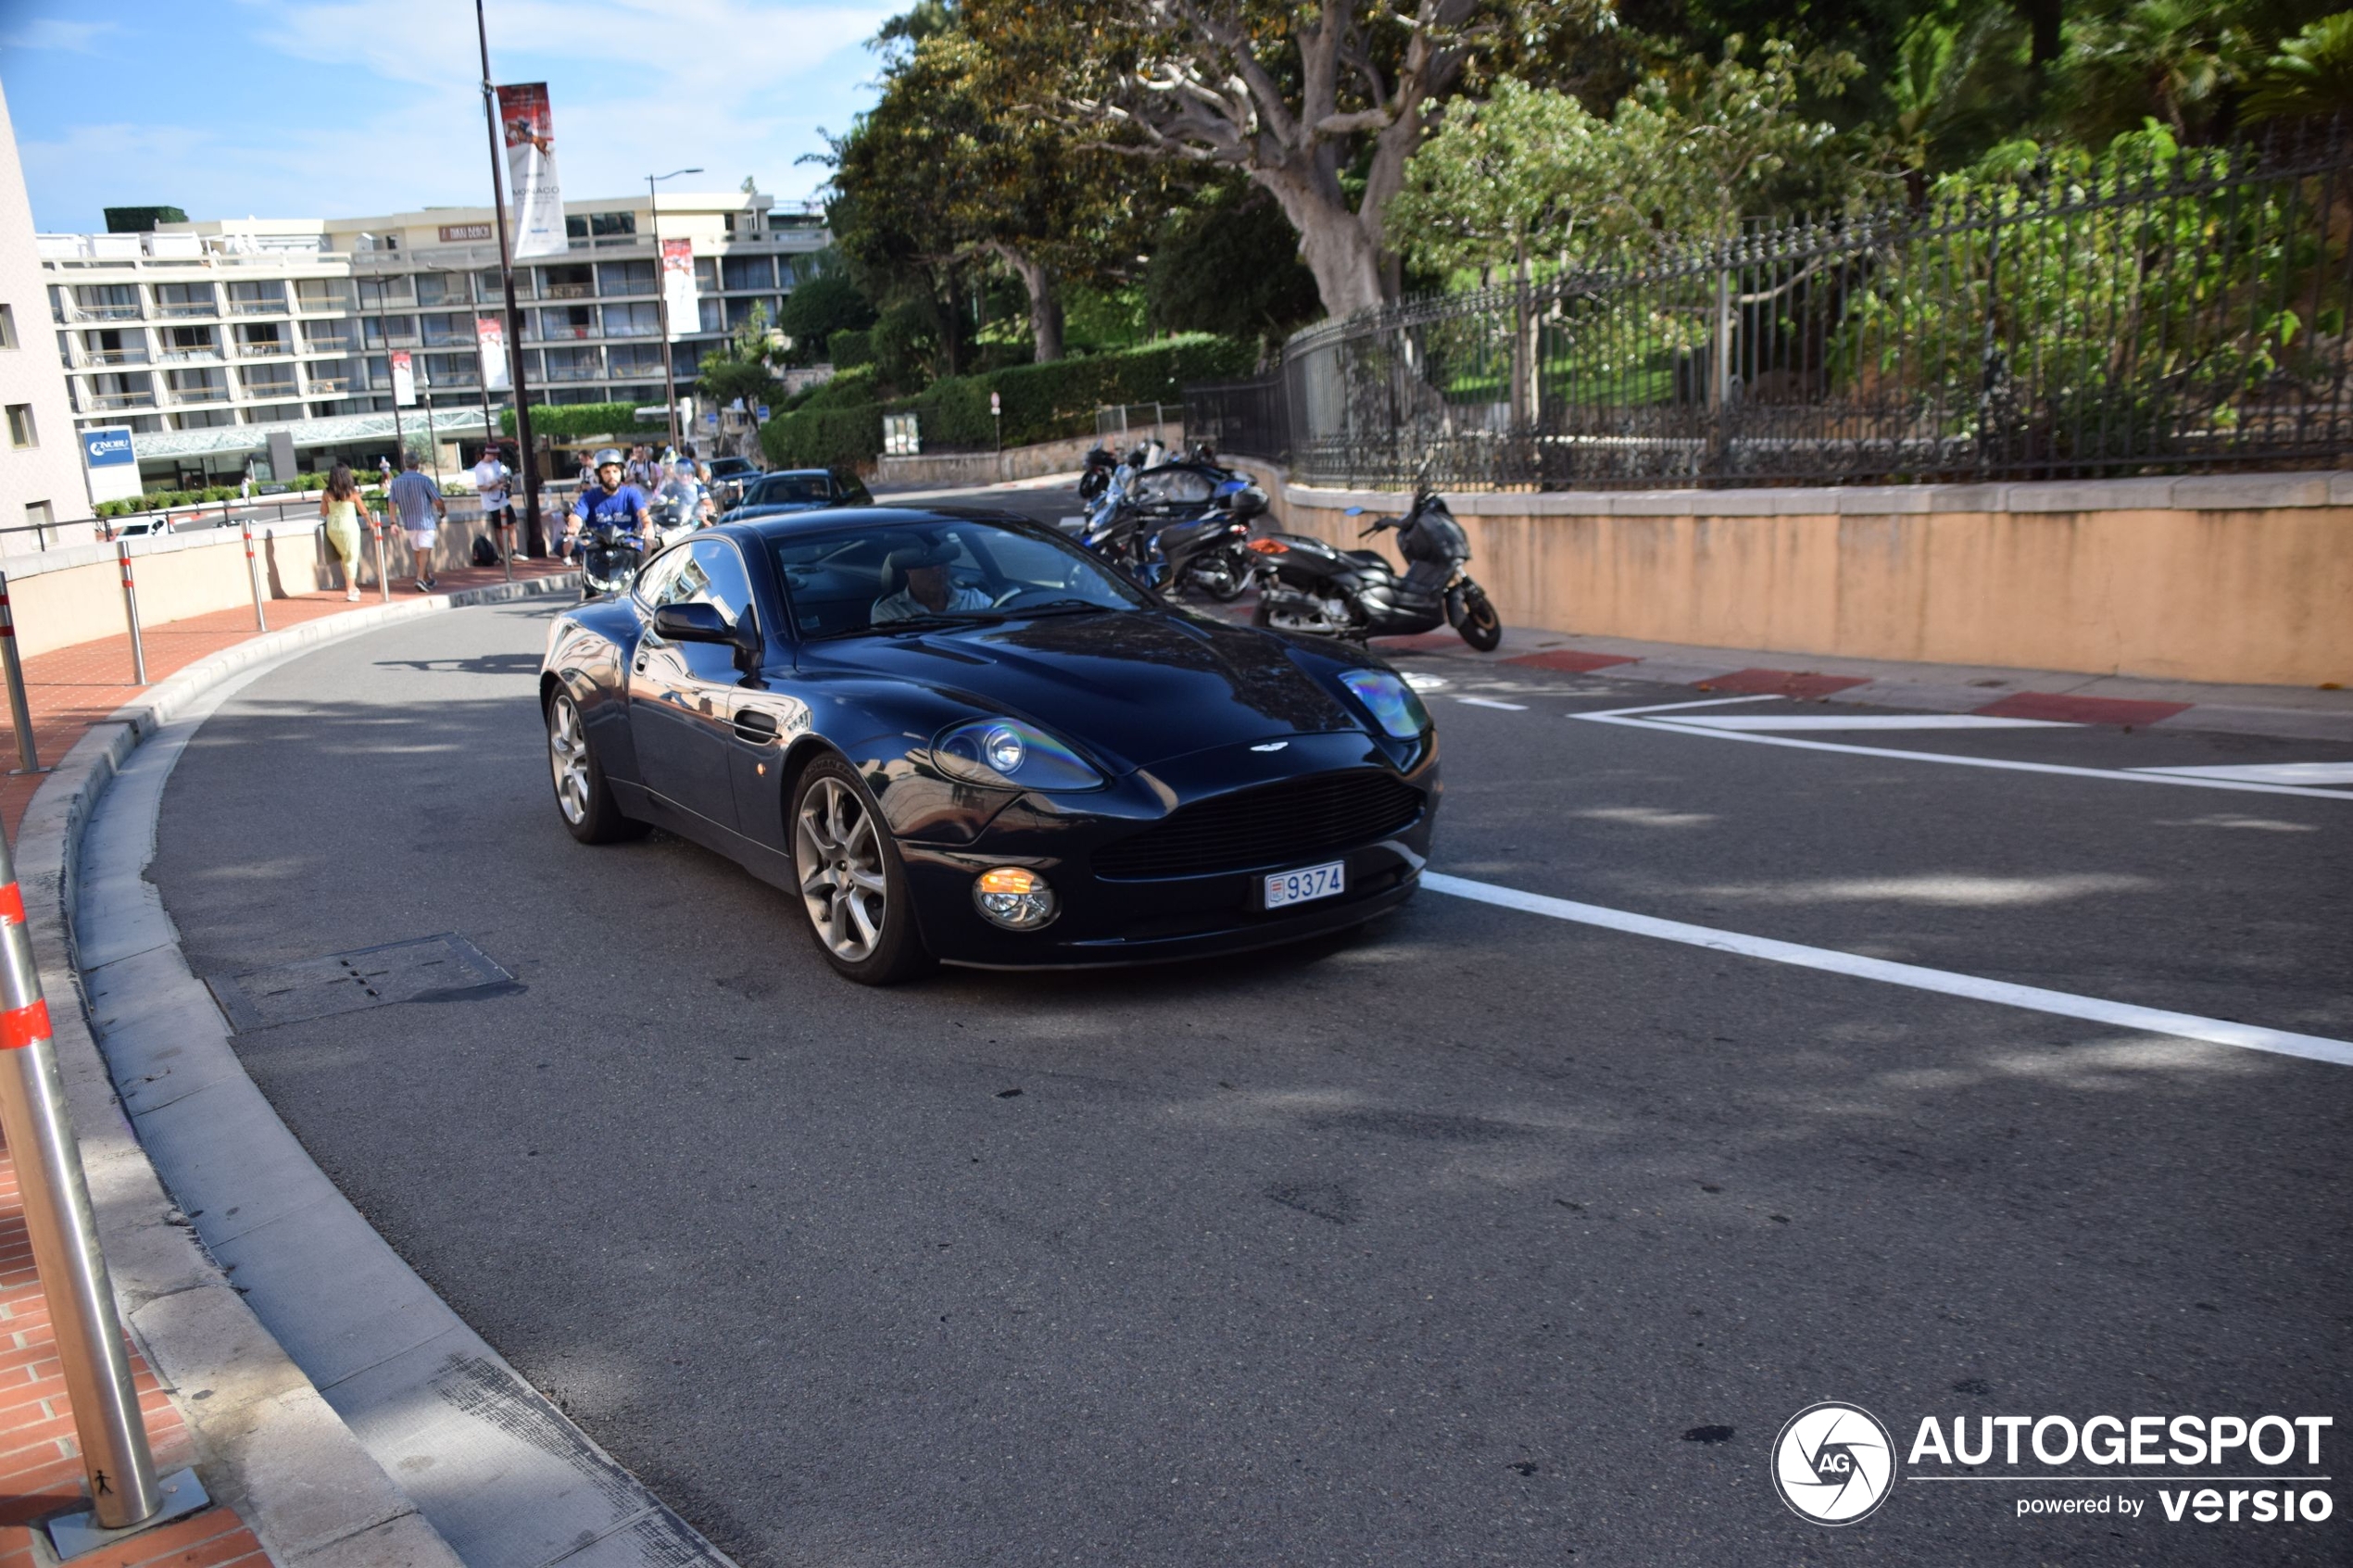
(1369, 558)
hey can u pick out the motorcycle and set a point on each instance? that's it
(609, 557)
(1212, 552)
(1316, 587)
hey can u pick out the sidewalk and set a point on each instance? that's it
(68, 690)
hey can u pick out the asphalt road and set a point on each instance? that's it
(1481, 1237)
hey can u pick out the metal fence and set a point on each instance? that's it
(2159, 313)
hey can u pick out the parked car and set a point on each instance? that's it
(797, 490)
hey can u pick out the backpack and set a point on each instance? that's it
(485, 553)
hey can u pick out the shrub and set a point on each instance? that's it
(567, 422)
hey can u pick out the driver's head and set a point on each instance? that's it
(928, 586)
(609, 475)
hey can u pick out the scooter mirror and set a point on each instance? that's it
(1353, 511)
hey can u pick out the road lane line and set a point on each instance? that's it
(2065, 1004)
(1640, 719)
(1491, 702)
(1878, 721)
(2267, 773)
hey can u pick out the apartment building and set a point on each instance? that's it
(204, 338)
(40, 477)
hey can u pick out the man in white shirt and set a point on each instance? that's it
(492, 481)
(930, 590)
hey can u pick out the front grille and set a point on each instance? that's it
(1275, 824)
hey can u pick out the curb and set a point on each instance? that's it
(267, 1443)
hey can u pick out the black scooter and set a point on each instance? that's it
(609, 556)
(1316, 587)
(1212, 552)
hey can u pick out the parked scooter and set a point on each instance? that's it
(1356, 594)
(609, 556)
(1212, 552)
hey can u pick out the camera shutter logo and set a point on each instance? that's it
(1833, 1464)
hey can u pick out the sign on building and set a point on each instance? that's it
(678, 288)
(458, 233)
(404, 379)
(113, 467)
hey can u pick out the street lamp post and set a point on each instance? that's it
(526, 459)
(384, 330)
(661, 298)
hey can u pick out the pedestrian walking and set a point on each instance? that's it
(492, 481)
(416, 501)
(342, 509)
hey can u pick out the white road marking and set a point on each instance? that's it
(2267, 773)
(2065, 1004)
(1659, 719)
(1422, 683)
(1871, 721)
(1491, 702)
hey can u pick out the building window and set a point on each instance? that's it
(401, 330)
(567, 283)
(443, 288)
(9, 330)
(256, 298)
(21, 431)
(375, 293)
(748, 272)
(639, 359)
(559, 321)
(625, 278)
(633, 321)
(322, 293)
(37, 514)
(600, 225)
(441, 330)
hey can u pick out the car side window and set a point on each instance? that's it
(657, 585)
(717, 574)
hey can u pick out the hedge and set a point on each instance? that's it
(1041, 402)
(164, 500)
(565, 421)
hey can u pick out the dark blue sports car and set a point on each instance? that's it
(956, 736)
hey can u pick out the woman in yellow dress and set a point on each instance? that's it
(342, 507)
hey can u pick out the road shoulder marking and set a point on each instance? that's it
(2064, 1004)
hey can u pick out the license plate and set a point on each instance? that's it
(1307, 884)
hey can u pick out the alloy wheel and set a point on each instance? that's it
(568, 758)
(838, 856)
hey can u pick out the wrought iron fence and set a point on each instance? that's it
(2157, 310)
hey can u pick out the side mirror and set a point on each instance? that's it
(692, 624)
(1353, 511)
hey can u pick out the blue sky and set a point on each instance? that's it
(285, 109)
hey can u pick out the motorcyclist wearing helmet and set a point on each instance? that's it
(608, 501)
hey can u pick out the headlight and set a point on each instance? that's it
(1390, 700)
(1006, 755)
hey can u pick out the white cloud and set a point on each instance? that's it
(55, 32)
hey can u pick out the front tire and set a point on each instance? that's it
(853, 886)
(583, 799)
(1482, 628)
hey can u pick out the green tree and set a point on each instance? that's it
(824, 302)
(1228, 262)
(2309, 74)
(741, 369)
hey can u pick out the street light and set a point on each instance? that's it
(662, 297)
(400, 442)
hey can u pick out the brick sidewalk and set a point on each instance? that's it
(72, 688)
(39, 1473)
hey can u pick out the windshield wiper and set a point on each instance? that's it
(1065, 607)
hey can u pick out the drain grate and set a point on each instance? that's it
(431, 969)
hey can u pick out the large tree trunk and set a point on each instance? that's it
(1045, 301)
(1332, 241)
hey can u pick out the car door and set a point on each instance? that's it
(664, 722)
(699, 682)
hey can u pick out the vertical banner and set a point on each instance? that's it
(490, 336)
(404, 379)
(538, 203)
(678, 287)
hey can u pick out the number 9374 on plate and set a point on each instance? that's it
(1307, 884)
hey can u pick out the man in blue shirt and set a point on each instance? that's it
(608, 501)
(416, 501)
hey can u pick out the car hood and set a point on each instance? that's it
(773, 509)
(1133, 688)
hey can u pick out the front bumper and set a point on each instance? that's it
(1157, 919)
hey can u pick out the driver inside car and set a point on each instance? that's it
(930, 589)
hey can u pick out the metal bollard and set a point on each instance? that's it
(383, 583)
(115, 1462)
(19, 708)
(130, 614)
(507, 548)
(253, 570)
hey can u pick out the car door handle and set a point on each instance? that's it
(755, 727)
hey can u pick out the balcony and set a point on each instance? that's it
(206, 355)
(184, 308)
(124, 400)
(113, 357)
(330, 345)
(455, 381)
(333, 383)
(272, 389)
(272, 349)
(79, 312)
(569, 291)
(575, 372)
(258, 307)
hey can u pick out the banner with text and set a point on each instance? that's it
(490, 334)
(538, 210)
(404, 379)
(678, 288)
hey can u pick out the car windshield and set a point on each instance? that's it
(917, 574)
(784, 489)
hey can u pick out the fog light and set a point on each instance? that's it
(1015, 898)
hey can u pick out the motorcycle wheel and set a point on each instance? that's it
(1223, 583)
(1482, 628)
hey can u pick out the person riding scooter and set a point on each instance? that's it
(608, 501)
